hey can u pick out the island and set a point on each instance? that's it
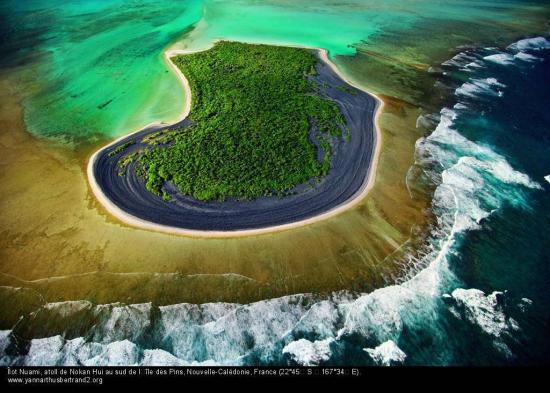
(272, 137)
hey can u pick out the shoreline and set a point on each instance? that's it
(134, 221)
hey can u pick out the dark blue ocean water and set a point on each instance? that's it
(479, 294)
(494, 147)
(510, 250)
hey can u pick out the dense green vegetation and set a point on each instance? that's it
(125, 161)
(120, 148)
(252, 108)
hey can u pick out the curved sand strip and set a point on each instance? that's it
(132, 220)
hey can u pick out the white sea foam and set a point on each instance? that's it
(77, 350)
(486, 313)
(459, 60)
(65, 309)
(159, 358)
(547, 178)
(525, 304)
(5, 340)
(118, 353)
(238, 330)
(483, 310)
(472, 66)
(476, 87)
(474, 173)
(307, 353)
(123, 322)
(502, 171)
(526, 57)
(45, 351)
(500, 58)
(535, 43)
(387, 354)
(468, 89)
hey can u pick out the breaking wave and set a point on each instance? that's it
(525, 50)
(488, 86)
(500, 58)
(535, 44)
(387, 354)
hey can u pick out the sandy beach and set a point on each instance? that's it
(125, 217)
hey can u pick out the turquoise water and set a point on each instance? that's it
(95, 68)
(477, 290)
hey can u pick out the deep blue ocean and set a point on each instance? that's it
(493, 146)
(479, 290)
(510, 250)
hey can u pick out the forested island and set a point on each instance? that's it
(274, 135)
(256, 115)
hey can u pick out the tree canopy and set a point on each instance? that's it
(253, 109)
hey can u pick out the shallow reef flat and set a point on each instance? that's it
(79, 251)
(63, 245)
